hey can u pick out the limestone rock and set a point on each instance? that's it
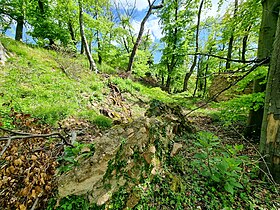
(175, 149)
(121, 155)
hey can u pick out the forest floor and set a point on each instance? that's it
(49, 100)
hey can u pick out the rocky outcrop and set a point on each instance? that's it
(221, 82)
(123, 156)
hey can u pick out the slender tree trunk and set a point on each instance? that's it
(244, 44)
(72, 33)
(99, 48)
(140, 34)
(198, 77)
(171, 66)
(19, 28)
(168, 83)
(162, 80)
(82, 47)
(84, 40)
(206, 72)
(266, 38)
(230, 44)
(205, 78)
(138, 40)
(270, 134)
(188, 75)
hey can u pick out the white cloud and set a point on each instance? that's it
(140, 4)
(152, 25)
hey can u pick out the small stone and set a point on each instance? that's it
(103, 199)
(152, 149)
(129, 131)
(132, 200)
(175, 149)
(85, 150)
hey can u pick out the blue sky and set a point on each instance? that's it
(153, 25)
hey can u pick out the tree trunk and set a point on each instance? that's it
(244, 44)
(168, 83)
(19, 28)
(84, 40)
(140, 34)
(99, 48)
(270, 134)
(171, 66)
(266, 38)
(82, 47)
(230, 44)
(198, 77)
(138, 40)
(188, 75)
(72, 33)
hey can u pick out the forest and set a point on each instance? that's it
(139, 104)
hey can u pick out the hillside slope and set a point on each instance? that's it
(59, 123)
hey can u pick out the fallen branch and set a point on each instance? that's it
(30, 135)
(223, 58)
(14, 132)
(239, 70)
(6, 147)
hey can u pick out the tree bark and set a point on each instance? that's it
(266, 38)
(230, 44)
(82, 47)
(72, 33)
(172, 64)
(270, 134)
(140, 34)
(84, 40)
(19, 28)
(188, 75)
(138, 40)
(244, 44)
(99, 48)
(198, 83)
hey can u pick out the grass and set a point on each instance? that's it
(53, 86)
(34, 82)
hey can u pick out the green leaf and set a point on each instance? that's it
(215, 178)
(236, 184)
(200, 156)
(229, 188)
(223, 166)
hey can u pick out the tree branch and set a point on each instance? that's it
(21, 135)
(223, 58)
(260, 63)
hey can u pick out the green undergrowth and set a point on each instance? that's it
(206, 174)
(237, 109)
(127, 85)
(53, 86)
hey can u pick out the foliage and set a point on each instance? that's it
(236, 110)
(175, 22)
(69, 159)
(221, 165)
(103, 122)
(72, 202)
